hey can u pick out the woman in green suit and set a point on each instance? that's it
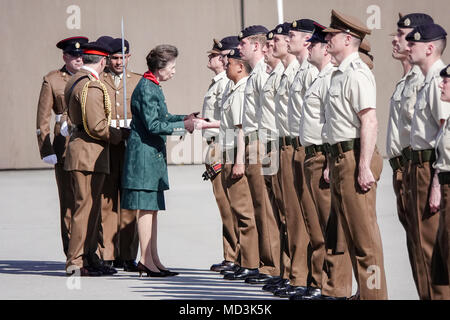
(145, 170)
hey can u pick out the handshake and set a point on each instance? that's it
(192, 122)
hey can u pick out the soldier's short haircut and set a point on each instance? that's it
(91, 58)
(440, 45)
(247, 66)
(261, 38)
(159, 56)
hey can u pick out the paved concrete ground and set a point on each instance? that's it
(32, 260)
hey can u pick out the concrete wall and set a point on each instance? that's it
(30, 30)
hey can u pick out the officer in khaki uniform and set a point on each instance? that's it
(118, 227)
(399, 126)
(252, 40)
(429, 115)
(234, 180)
(51, 98)
(355, 164)
(335, 281)
(87, 158)
(212, 104)
(440, 271)
(294, 238)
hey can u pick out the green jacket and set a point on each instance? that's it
(145, 166)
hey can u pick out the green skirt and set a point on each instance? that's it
(142, 200)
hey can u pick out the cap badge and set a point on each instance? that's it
(77, 45)
(270, 35)
(241, 35)
(280, 30)
(232, 52)
(294, 24)
(219, 44)
(417, 36)
(124, 48)
(447, 71)
(407, 22)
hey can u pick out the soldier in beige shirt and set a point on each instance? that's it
(252, 40)
(426, 44)
(399, 127)
(118, 226)
(440, 272)
(355, 164)
(212, 108)
(51, 98)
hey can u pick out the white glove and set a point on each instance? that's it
(51, 159)
(64, 129)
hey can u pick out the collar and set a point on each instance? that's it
(220, 76)
(347, 61)
(239, 83)
(260, 65)
(279, 67)
(92, 71)
(435, 69)
(150, 76)
(326, 70)
(292, 67)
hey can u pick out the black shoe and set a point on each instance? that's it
(105, 269)
(221, 266)
(290, 290)
(108, 263)
(118, 263)
(311, 294)
(241, 274)
(130, 266)
(168, 273)
(262, 278)
(143, 269)
(272, 287)
(230, 269)
(85, 272)
(323, 297)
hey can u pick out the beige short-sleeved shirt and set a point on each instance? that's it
(313, 111)
(352, 90)
(252, 103)
(232, 107)
(302, 81)
(213, 102)
(429, 110)
(443, 148)
(393, 148)
(267, 126)
(413, 81)
(282, 98)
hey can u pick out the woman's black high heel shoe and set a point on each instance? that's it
(168, 273)
(143, 269)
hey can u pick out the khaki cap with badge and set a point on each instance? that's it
(347, 24)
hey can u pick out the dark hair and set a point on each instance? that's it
(91, 58)
(160, 56)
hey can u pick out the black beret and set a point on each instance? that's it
(72, 45)
(303, 25)
(426, 33)
(413, 20)
(105, 39)
(251, 31)
(228, 43)
(445, 73)
(96, 48)
(235, 54)
(282, 28)
(318, 35)
(116, 45)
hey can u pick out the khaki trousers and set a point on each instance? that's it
(440, 263)
(297, 236)
(400, 183)
(425, 229)
(357, 213)
(273, 184)
(310, 217)
(337, 268)
(119, 239)
(229, 223)
(66, 203)
(85, 219)
(266, 223)
(240, 199)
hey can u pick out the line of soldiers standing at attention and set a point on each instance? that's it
(109, 239)
(290, 122)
